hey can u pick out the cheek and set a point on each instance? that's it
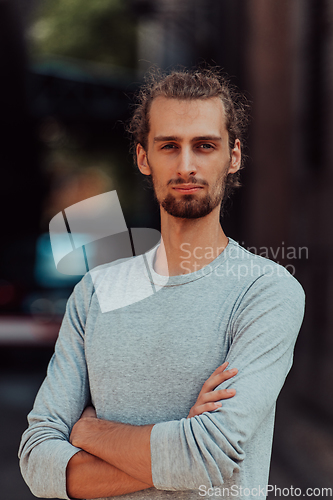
(161, 171)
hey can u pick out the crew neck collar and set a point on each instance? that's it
(160, 280)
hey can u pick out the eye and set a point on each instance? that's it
(206, 146)
(168, 146)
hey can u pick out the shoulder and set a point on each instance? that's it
(270, 299)
(264, 280)
(118, 284)
(257, 265)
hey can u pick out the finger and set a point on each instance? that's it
(198, 410)
(220, 369)
(89, 411)
(216, 379)
(217, 395)
(222, 377)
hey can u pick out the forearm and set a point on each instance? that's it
(88, 476)
(126, 447)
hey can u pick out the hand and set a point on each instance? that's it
(89, 411)
(208, 399)
(125, 446)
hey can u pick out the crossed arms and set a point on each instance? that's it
(115, 457)
(185, 453)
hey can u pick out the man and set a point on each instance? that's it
(143, 365)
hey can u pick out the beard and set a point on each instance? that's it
(192, 206)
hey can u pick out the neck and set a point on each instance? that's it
(189, 244)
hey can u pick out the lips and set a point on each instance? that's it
(187, 188)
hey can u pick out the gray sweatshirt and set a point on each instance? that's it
(140, 346)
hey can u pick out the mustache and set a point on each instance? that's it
(191, 180)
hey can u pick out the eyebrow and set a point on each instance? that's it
(162, 138)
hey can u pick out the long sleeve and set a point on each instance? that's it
(210, 449)
(45, 450)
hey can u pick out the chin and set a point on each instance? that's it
(189, 207)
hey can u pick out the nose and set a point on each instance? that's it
(186, 163)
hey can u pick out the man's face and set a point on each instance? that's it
(188, 155)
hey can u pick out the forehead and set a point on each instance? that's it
(198, 116)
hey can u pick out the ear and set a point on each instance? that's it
(236, 157)
(141, 160)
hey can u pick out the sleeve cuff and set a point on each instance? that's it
(161, 458)
(49, 459)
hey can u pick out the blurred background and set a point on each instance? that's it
(68, 73)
